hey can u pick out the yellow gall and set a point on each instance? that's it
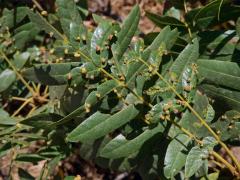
(103, 60)
(44, 13)
(122, 78)
(98, 95)
(83, 70)
(84, 38)
(66, 51)
(168, 117)
(51, 34)
(77, 54)
(78, 177)
(87, 105)
(162, 117)
(18, 125)
(167, 112)
(87, 108)
(119, 95)
(150, 69)
(92, 77)
(51, 51)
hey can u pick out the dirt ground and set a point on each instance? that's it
(119, 9)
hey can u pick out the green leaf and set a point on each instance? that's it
(68, 14)
(25, 34)
(212, 176)
(221, 73)
(228, 125)
(8, 130)
(5, 119)
(7, 77)
(162, 21)
(24, 175)
(238, 27)
(190, 122)
(52, 164)
(214, 13)
(20, 59)
(13, 17)
(70, 116)
(50, 74)
(5, 148)
(41, 121)
(167, 37)
(44, 25)
(219, 45)
(188, 56)
(210, 114)
(99, 19)
(69, 178)
(226, 97)
(99, 42)
(33, 158)
(209, 142)
(121, 147)
(176, 155)
(128, 30)
(83, 8)
(180, 70)
(195, 160)
(102, 90)
(100, 124)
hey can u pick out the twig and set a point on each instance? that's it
(38, 5)
(227, 164)
(19, 98)
(21, 107)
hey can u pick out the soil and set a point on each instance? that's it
(120, 9)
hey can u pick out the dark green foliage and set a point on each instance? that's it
(158, 106)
